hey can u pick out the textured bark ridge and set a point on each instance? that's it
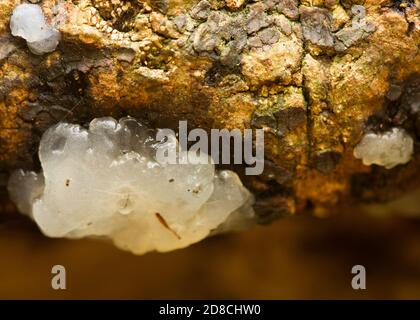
(315, 75)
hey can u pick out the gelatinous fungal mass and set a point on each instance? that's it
(105, 181)
(387, 149)
(28, 22)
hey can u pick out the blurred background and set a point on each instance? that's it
(294, 258)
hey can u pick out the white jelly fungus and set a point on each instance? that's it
(28, 22)
(388, 149)
(105, 181)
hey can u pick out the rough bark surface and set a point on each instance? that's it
(315, 75)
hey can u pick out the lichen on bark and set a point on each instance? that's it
(315, 75)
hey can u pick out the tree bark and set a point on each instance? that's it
(315, 75)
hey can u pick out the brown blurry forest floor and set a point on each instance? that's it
(300, 257)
